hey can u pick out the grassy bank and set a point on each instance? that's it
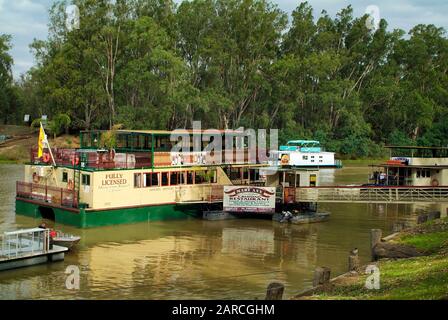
(423, 277)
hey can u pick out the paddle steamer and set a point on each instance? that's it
(142, 179)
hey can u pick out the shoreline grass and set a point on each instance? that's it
(419, 278)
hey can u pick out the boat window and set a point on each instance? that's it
(175, 178)
(86, 180)
(245, 173)
(154, 179)
(189, 177)
(165, 181)
(182, 178)
(200, 177)
(305, 157)
(137, 180)
(64, 176)
(418, 173)
(234, 173)
(212, 175)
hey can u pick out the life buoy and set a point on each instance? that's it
(70, 185)
(75, 160)
(46, 157)
(435, 183)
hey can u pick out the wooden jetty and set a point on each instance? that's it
(28, 247)
(373, 194)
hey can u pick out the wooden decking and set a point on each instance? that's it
(373, 194)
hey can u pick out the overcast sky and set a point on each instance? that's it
(26, 20)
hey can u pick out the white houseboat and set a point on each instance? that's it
(304, 153)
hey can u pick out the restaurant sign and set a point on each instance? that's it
(249, 199)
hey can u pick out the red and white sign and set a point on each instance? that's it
(249, 199)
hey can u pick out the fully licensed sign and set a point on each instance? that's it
(249, 199)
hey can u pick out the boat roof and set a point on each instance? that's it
(176, 131)
(303, 141)
(386, 165)
(416, 147)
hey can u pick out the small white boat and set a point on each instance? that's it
(301, 218)
(65, 240)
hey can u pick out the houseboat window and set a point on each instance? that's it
(305, 157)
(165, 181)
(423, 173)
(182, 177)
(297, 180)
(200, 177)
(150, 180)
(245, 173)
(312, 157)
(234, 174)
(189, 177)
(255, 174)
(154, 179)
(86, 180)
(212, 176)
(175, 178)
(137, 180)
(320, 157)
(64, 176)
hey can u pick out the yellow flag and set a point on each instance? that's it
(40, 152)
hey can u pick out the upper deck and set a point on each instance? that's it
(155, 149)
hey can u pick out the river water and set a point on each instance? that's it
(195, 259)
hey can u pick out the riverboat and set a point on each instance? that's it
(145, 178)
(304, 153)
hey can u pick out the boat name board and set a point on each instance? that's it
(249, 199)
(114, 179)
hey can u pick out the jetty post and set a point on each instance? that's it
(353, 261)
(321, 276)
(375, 238)
(275, 291)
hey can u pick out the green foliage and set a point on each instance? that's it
(155, 64)
(59, 123)
(108, 139)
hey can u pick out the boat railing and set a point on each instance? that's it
(47, 194)
(25, 242)
(105, 160)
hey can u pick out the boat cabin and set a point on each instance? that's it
(412, 166)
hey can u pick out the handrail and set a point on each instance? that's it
(373, 187)
(47, 194)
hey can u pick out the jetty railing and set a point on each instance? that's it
(393, 194)
(47, 194)
(22, 243)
